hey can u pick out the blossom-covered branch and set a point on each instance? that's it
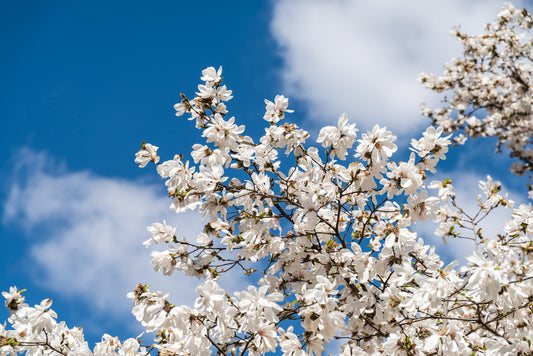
(491, 87)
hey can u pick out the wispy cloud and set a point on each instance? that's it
(95, 227)
(362, 57)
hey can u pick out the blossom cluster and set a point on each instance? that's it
(327, 233)
(490, 87)
(37, 332)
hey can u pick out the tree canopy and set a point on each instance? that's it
(327, 231)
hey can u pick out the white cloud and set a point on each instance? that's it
(362, 57)
(94, 228)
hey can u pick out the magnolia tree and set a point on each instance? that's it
(326, 233)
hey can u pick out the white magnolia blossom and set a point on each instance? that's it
(331, 245)
(275, 111)
(212, 76)
(147, 154)
(340, 138)
(160, 233)
(377, 145)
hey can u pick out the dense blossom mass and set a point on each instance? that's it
(327, 232)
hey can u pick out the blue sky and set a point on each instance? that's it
(84, 83)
